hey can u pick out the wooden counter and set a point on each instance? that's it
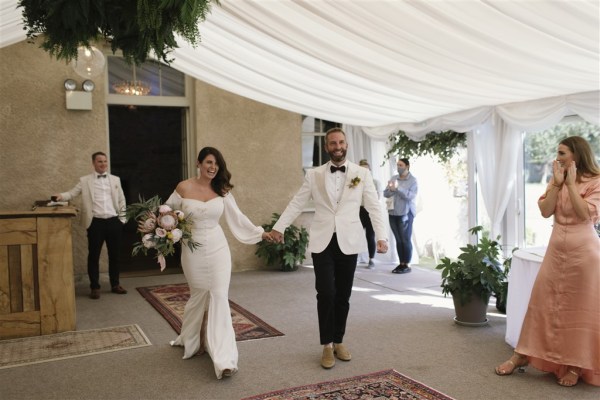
(37, 292)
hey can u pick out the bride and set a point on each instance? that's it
(208, 268)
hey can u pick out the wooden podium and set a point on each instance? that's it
(37, 292)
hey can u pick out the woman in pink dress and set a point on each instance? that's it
(561, 330)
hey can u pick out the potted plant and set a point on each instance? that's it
(289, 254)
(472, 278)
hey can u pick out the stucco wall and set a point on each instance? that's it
(262, 148)
(45, 148)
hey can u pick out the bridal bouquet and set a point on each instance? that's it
(160, 228)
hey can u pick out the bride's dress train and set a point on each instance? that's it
(208, 271)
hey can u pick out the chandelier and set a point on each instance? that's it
(132, 88)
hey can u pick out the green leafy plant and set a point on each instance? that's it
(477, 270)
(288, 254)
(443, 145)
(134, 27)
(502, 291)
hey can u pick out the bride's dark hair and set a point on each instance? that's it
(220, 184)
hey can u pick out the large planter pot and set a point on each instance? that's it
(472, 313)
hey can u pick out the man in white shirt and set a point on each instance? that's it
(102, 215)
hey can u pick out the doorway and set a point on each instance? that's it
(147, 151)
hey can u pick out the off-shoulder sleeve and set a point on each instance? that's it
(241, 227)
(174, 201)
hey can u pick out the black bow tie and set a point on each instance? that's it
(333, 168)
(102, 176)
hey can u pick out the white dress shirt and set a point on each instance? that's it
(102, 207)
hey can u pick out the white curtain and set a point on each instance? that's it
(497, 134)
(380, 62)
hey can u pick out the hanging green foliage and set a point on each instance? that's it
(134, 27)
(442, 145)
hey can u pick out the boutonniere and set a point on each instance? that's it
(354, 182)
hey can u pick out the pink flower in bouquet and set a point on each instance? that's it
(164, 209)
(149, 224)
(168, 220)
(148, 241)
(160, 232)
(175, 235)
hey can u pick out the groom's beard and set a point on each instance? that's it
(338, 158)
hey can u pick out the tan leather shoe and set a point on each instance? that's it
(341, 352)
(327, 359)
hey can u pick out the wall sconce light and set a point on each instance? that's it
(70, 84)
(88, 86)
(77, 99)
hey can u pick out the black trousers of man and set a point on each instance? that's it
(110, 231)
(369, 231)
(334, 275)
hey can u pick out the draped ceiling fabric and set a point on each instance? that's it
(415, 65)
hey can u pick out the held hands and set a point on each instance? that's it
(382, 246)
(273, 237)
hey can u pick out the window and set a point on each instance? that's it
(158, 78)
(313, 141)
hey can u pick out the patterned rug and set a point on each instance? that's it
(169, 301)
(39, 349)
(387, 384)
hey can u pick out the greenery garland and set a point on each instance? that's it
(134, 27)
(442, 145)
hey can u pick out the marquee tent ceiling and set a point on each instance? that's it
(373, 63)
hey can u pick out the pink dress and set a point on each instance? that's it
(562, 324)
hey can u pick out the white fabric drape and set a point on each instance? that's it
(379, 62)
(497, 134)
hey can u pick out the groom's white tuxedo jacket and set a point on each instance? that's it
(85, 187)
(344, 219)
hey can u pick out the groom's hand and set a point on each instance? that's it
(277, 236)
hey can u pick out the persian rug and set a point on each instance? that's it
(388, 384)
(58, 346)
(169, 301)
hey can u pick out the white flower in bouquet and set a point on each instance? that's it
(168, 220)
(180, 215)
(164, 209)
(160, 232)
(175, 235)
(148, 241)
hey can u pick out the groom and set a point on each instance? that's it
(338, 188)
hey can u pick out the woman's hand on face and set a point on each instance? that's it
(558, 172)
(571, 174)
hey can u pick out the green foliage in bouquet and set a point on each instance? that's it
(160, 228)
(288, 254)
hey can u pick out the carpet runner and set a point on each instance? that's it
(169, 300)
(388, 384)
(59, 346)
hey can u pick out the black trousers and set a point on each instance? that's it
(104, 230)
(334, 275)
(369, 231)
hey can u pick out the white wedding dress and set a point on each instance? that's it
(208, 271)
